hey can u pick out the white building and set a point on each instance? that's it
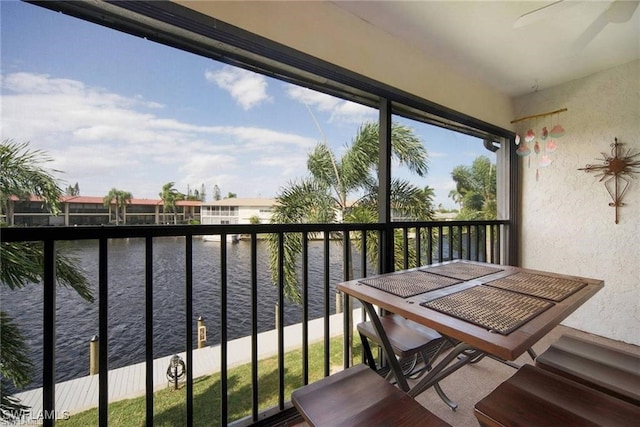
(237, 211)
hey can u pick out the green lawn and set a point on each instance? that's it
(170, 405)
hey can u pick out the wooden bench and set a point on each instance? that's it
(604, 368)
(358, 396)
(536, 397)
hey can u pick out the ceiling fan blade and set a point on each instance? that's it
(618, 12)
(591, 32)
(544, 12)
(621, 11)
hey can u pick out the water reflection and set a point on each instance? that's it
(77, 320)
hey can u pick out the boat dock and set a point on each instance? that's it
(80, 394)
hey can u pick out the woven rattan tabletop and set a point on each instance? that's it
(539, 285)
(494, 309)
(462, 270)
(410, 283)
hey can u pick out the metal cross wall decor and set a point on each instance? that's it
(614, 171)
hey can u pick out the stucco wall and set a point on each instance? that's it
(567, 225)
(328, 32)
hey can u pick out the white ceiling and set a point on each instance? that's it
(478, 37)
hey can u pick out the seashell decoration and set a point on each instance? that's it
(544, 144)
(529, 136)
(551, 146)
(557, 131)
(545, 133)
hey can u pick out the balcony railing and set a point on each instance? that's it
(416, 243)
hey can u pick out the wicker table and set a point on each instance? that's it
(486, 309)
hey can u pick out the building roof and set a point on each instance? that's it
(100, 200)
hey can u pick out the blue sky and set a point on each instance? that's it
(114, 110)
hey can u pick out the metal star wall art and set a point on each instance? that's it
(614, 172)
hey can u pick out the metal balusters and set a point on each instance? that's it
(280, 316)
(49, 331)
(188, 291)
(477, 242)
(346, 312)
(148, 298)
(305, 308)
(103, 332)
(440, 245)
(418, 247)
(450, 231)
(327, 305)
(429, 245)
(405, 247)
(254, 326)
(363, 254)
(224, 372)
(435, 234)
(498, 258)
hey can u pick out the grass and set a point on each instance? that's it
(170, 405)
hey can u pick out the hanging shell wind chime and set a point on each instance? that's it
(543, 144)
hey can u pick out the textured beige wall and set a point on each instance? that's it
(567, 225)
(325, 31)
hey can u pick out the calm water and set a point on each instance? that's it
(77, 320)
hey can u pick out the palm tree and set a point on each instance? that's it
(22, 263)
(120, 198)
(170, 196)
(476, 189)
(323, 197)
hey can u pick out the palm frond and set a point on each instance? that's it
(21, 175)
(311, 201)
(306, 201)
(14, 364)
(23, 263)
(322, 165)
(408, 149)
(11, 410)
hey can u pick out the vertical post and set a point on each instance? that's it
(224, 377)
(338, 302)
(202, 332)
(277, 320)
(188, 294)
(93, 355)
(49, 334)
(348, 321)
(384, 187)
(103, 331)
(148, 320)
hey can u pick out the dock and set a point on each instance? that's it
(80, 394)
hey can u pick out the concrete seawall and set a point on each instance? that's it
(79, 394)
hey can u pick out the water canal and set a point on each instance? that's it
(77, 320)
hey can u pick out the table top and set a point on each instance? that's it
(507, 309)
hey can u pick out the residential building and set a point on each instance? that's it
(90, 210)
(237, 211)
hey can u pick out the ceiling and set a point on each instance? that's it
(563, 42)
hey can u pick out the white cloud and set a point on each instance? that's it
(319, 100)
(247, 88)
(339, 110)
(102, 139)
(257, 138)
